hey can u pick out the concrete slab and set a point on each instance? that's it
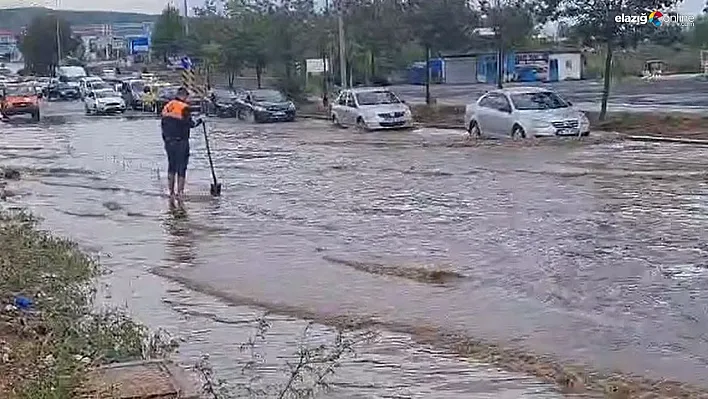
(156, 379)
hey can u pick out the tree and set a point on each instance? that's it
(601, 24)
(39, 44)
(440, 25)
(168, 36)
(374, 25)
(512, 23)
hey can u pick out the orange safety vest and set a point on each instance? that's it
(174, 109)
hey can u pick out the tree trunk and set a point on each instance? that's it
(427, 75)
(259, 74)
(500, 69)
(325, 94)
(372, 65)
(608, 77)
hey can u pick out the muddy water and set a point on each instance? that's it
(591, 253)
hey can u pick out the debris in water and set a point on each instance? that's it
(11, 174)
(422, 274)
(112, 206)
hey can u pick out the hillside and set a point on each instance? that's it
(14, 19)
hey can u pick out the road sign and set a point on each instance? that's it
(316, 65)
(139, 45)
(186, 63)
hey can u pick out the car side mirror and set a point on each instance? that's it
(569, 103)
(506, 109)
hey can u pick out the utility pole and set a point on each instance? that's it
(186, 19)
(342, 48)
(58, 36)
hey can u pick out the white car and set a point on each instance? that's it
(522, 112)
(104, 102)
(370, 109)
(84, 84)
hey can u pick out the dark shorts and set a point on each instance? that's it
(177, 156)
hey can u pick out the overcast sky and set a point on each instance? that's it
(155, 6)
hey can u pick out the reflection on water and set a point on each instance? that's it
(586, 252)
(181, 241)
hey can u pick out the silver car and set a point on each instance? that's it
(370, 108)
(522, 112)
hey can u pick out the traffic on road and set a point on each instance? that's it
(591, 251)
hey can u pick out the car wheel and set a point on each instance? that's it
(361, 125)
(474, 130)
(518, 132)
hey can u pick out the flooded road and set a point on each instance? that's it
(592, 253)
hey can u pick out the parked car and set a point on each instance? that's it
(524, 112)
(59, 90)
(167, 94)
(370, 108)
(84, 84)
(265, 105)
(105, 101)
(19, 100)
(224, 103)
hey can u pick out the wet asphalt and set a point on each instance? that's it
(593, 253)
(687, 93)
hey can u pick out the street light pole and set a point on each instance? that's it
(342, 49)
(186, 19)
(58, 35)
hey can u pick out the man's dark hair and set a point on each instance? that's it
(182, 92)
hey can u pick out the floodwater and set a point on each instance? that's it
(594, 254)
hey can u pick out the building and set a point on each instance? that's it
(522, 66)
(8, 46)
(106, 41)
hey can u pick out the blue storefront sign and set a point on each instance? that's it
(139, 45)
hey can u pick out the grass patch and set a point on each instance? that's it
(48, 347)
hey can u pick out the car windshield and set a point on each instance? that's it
(137, 86)
(100, 85)
(106, 94)
(272, 96)
(20, 91)
(377, 97)
(168, 93)
(538, 101)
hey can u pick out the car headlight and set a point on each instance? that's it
(291, 107)
(259, 109)
(541, 123)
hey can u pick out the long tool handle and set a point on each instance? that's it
(211, 163)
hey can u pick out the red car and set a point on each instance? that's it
(20, 100)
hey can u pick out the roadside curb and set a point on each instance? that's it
(314, 116)
(649, 139)
(657, 139)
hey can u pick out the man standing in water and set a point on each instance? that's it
(176, 124)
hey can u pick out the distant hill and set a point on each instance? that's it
(14, 19)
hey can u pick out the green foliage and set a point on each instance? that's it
(39, 43)
(168, 36)
(62, 337)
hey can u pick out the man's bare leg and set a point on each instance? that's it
(171, 184)
(181, 180)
